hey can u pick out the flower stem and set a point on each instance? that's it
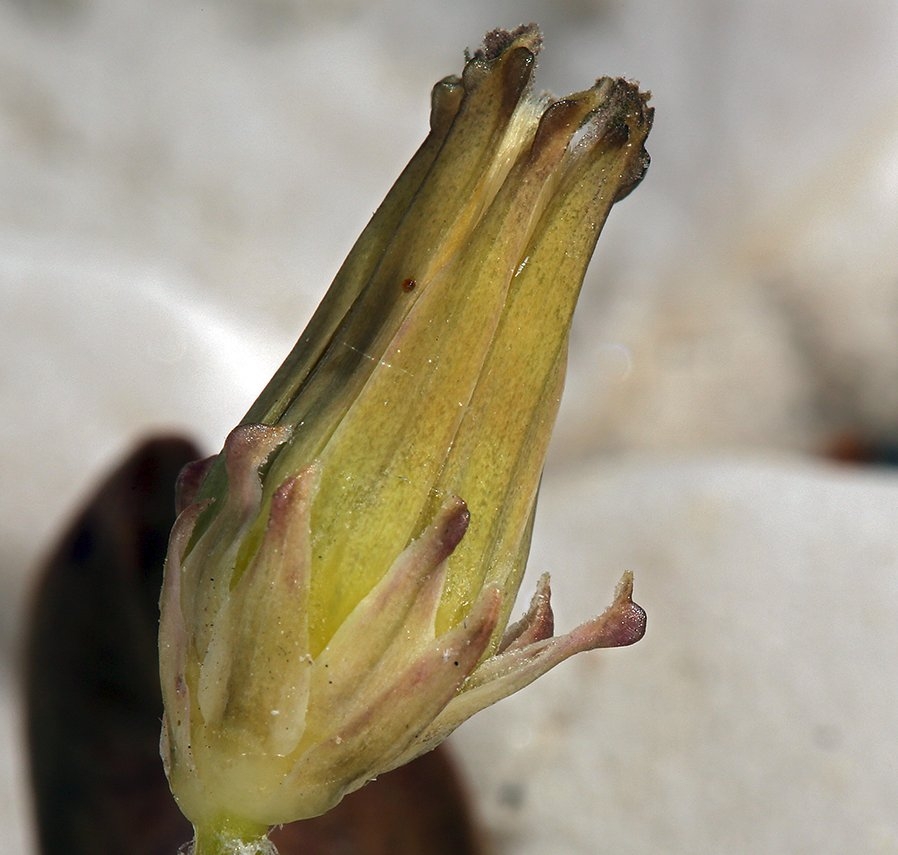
(228, 839)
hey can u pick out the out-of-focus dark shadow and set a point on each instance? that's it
(860, 450)
(92, 685)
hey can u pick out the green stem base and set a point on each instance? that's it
(227, 839)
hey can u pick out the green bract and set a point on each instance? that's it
(340, 580)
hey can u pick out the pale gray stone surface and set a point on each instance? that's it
(756, 715)
(178, 184)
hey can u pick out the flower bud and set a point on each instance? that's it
(341, 577)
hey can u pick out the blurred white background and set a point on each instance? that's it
(179, 181)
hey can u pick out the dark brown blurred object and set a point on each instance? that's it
(92, 684)
(418, 809)
(857, 449)
(94, 704)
